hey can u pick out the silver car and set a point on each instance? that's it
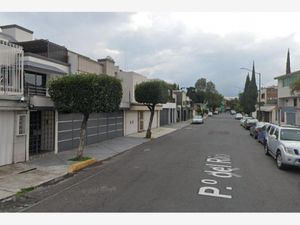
(283, 143)
(197, 119)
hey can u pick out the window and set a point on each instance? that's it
(282, 116)
(272, 130)
(268, 128)
(263, 96)
(295, 102)
(21, 124)
(276, 133)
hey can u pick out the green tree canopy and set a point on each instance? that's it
(151, 93)
(85, 94)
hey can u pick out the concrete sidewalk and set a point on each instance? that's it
(50, 167)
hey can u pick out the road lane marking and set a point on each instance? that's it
(220, 168)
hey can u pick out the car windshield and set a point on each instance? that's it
(198, 117)
(290, 134)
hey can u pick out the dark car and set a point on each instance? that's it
(261, 134)
(249, 123)
(255, 129)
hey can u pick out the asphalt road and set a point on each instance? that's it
(166, 174)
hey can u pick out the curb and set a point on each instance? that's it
(80, 165)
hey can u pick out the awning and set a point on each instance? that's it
(267, 108)
(41, 68)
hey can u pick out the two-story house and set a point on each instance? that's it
(268, 99)
(13, 107)
(183, 106)
(288, 102)
(136, 115)
(100, 126)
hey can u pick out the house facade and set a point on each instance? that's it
(268, 100)
(288, 103)
(100, 126)
(184, 109)
(136, 115)
(14, 118)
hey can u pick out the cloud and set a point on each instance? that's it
(177, 47)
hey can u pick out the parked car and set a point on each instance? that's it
(238, 116)
(283, 144)
(197, 119)
(249, 123)
(232, 112)
(261, 134)
(255, 129)
(210, 114)
(242, 121)
(216, 112)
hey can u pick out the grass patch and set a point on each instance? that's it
(24, 191)
(80, 159)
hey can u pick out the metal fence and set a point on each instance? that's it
(11, 69)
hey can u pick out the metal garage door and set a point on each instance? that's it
(164, 117)
(100, 127)
(6, 137)
(290, 118)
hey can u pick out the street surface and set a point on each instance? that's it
(214, 167)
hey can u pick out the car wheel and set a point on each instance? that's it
(266, 149)
(279, 163)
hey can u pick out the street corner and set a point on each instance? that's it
(81, 165)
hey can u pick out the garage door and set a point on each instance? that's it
(100, 127)
(164, 117)
(6, 137)
(290, 118)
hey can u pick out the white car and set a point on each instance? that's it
(243, 120)
(210, 114)
(197, 119)
(238, 116)
(283, 144)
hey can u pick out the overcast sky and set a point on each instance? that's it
(177, 47)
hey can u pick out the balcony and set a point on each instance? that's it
(31, 90)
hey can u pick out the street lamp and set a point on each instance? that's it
(243, 68)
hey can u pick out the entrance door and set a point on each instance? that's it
(141, 121)
(35, 132)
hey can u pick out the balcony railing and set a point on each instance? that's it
(31, 90)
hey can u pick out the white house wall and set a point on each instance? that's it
(13, 148)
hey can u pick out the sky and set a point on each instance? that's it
(177, 47)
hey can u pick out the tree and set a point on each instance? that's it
(200, 84)
(295, 86)
(214, 100)
(244, 97)
(252, 92)
(210, 87)
(85, 94)
(151, 93)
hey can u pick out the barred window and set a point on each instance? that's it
(21, 124)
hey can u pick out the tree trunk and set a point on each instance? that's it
(148, 134)
(82, 135)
